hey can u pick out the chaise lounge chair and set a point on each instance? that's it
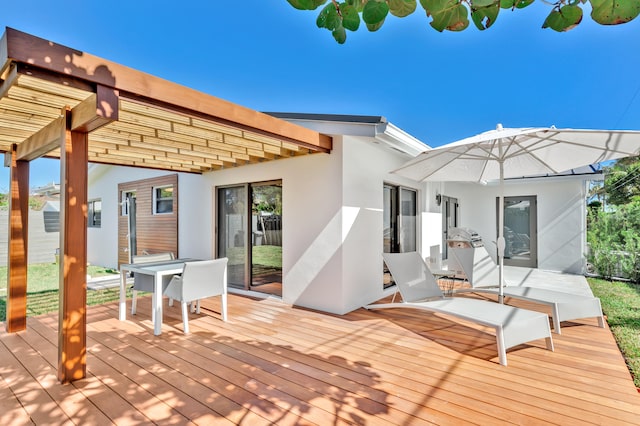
(482, 275)
(419, 290)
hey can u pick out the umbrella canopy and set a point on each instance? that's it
(522, 152)
(518, 152)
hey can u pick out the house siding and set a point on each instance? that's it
(155, 233)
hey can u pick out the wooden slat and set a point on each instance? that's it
(205, 124)
(51, 88)
(151, 111)
(43, 99)
(198, 132)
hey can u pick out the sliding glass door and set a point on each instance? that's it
(250, 235)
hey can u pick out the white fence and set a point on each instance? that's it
(42, 245)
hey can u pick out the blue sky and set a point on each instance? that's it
(439, 87)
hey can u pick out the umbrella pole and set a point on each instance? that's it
(501, 242)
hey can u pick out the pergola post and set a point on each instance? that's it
(72, 346)
(18, 243)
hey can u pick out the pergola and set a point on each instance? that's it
(63, 103)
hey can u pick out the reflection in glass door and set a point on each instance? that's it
(399, 222)
(266, 242)
(232, 226)
(250, 235)
(520, 234)
(450, 216)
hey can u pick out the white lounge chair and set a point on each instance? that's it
(419, 290)
(199, 280)
(482, 275)
(142, 282)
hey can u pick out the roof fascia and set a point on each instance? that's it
(372, 127)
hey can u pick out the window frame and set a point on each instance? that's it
(157, 199)
(91, 213)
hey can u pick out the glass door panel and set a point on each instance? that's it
(520, 225)
(232, 235)
(399, 223)
(389, 220)
(266, 242)
(407, 231)
(449, 220)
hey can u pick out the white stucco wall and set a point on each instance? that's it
(332, 220)
(366, 167)
(561, 216)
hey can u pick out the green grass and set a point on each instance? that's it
(42, 289)
(621, 304)
(267, 256)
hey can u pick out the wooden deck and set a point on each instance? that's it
(273, 364)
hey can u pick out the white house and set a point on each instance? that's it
(336, 213)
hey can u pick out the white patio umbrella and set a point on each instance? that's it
(518, 152)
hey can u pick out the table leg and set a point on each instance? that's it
(123, 296)
(157, 304)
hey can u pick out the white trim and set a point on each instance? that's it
(155, 199)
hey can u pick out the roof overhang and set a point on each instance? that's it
(376, 127)
(133, 118)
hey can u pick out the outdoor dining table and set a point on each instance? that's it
(157, 270)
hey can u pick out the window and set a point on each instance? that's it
(163, 199)
(127, 199)
(95, 213)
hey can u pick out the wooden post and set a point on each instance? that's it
(72, 345)
(18, 241)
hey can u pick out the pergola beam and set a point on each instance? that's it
(94, 112)
(46, 140)
(8, 81)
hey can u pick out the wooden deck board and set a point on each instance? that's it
(273, 364)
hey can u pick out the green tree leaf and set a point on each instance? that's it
(375, 27)
(375, 11)
(447, 14)
(564, 19)
(358, 4)
(613, 12)
(514, 4)
(453, 15)
(339, 34)
(402, 8)
(329, 18)
(306, 4)
(485, 16)
(350, 17)
(476, 4)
